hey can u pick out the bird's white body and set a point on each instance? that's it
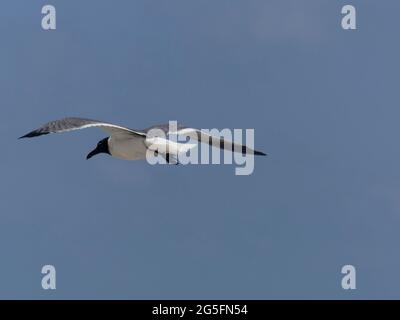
(127, 147)
(164, 146)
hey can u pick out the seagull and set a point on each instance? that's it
(130, 144)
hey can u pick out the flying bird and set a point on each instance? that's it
(131, 144)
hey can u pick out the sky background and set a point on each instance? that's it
(324, 104)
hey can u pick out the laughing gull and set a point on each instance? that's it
(131, 144)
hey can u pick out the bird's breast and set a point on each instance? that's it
(127, 147)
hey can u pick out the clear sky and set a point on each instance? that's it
(324, 104)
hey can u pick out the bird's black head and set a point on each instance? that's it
(102, 147)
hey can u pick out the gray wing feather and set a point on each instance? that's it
(218, 142)
(163, 127)
(72, 123)
(204, 137)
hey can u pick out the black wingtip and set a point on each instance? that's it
(246, 150)
(259, 153)
(25, 136)
(32, 134)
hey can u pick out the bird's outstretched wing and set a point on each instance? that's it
(218, 142)
(70, 124)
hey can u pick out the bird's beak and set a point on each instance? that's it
(92, 153)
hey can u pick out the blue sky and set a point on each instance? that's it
(324, 104)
